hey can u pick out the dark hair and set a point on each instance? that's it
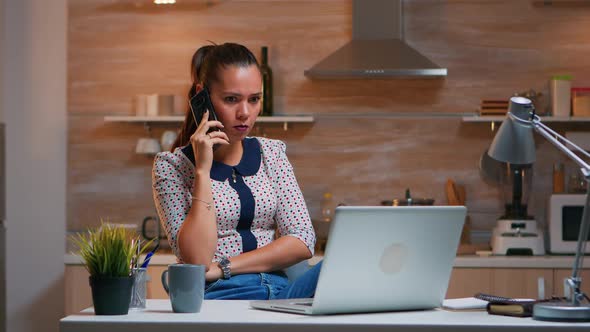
(205, 67)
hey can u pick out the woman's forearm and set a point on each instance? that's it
(197, 237)
(277, 255)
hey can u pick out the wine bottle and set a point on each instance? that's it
(266, 84)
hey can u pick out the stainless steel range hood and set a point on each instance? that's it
(377, 48)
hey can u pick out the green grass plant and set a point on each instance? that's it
(109, 251)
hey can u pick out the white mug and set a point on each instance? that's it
(152, 105)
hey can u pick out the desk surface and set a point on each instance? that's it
(238, 316)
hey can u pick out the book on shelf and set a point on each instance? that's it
(493, 107)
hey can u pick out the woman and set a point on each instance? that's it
(221, 195)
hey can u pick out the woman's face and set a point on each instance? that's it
(236, 98)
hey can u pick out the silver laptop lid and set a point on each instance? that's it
(381, 258)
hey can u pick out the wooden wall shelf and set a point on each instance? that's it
(147, 120)
(545, 119)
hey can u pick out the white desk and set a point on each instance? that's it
(237, 316)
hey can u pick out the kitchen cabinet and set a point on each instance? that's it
(466, 282)
(77, 289)
(560, 274)
(155, 289)
(521, 283)
(510, 282)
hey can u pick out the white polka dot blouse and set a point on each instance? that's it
(251, 199)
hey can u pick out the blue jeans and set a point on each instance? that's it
(264, 286)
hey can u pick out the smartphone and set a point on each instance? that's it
(199, 104)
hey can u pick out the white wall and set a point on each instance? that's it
(33, 100)
(2, 239)
(1, 58)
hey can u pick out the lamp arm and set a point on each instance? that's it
(550, 135)
(583, 236)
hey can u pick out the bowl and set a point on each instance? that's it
(408, 202)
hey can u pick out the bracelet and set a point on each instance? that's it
(200, 200)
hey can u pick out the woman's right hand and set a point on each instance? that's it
(203, 143)
(213, 272)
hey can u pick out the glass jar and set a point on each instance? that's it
(577, 184)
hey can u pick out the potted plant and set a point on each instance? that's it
(109, 253)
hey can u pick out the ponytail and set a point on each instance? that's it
(189, 125)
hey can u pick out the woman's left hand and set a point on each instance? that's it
(214, 273)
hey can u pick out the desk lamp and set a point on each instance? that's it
(514, 143)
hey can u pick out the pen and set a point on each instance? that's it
(138, 250)
(133, 258)
(148, 257)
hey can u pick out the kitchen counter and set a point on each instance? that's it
(467, 261)
(218, 315)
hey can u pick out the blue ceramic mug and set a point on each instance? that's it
(185, 284)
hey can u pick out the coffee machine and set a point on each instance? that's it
(516, 232)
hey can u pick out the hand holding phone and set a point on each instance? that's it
(199, 104)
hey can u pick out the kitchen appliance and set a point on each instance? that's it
(517, 237)
(152, 230)
(408, 201)
(516, 232)
(564, 216)
(377, 48)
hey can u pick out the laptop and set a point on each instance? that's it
(383, 258)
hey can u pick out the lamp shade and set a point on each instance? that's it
(514, 142)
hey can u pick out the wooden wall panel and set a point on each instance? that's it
(106, 178)
(358, 148)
